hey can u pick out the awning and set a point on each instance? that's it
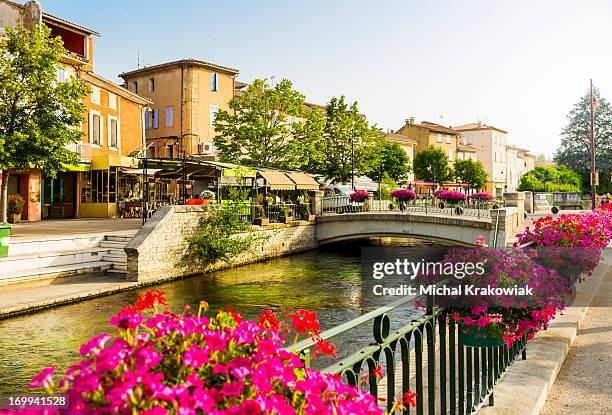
(140, 172)
(277, 180)
(303, 181)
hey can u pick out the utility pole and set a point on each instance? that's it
(593, 171)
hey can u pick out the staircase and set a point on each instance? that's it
(66, 256)
(116, 255)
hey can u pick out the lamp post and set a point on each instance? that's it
(352, 162)
(593, 172)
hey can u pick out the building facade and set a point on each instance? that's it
(112, 131)
(186, 96)
(428, 134)
(490, 143)
(408, 145)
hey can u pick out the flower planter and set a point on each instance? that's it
(311, 218)
(5, 235)
(205, 202)
(285, 219)
(474, 336)
(14, 217)
(262, 221)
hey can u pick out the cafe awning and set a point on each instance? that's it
(140, 172)
(303, 181)
(277, 180)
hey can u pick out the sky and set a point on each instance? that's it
(518, 65)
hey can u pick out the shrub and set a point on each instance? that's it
(450, 195)
(359, 196)
(482, 196)
(403, 195)
(15, 204)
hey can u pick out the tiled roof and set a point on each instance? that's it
(55, 19)
(466, 148)
(399, 138)
(437, 127)
(478, 127)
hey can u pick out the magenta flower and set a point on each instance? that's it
(44, 379)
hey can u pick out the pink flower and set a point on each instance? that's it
(44, 379)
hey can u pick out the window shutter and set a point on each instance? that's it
(155, 118)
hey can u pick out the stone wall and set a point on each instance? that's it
(156, 250)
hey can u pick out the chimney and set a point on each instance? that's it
(410, 121)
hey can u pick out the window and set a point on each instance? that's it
(61, 74)
(169, 117)
(448, 139)
(95, 128)
(99, 186)
(112, 101)
(439, 138)
(450, 154)
(95, 95)
(155, 118)
(213, 114)
(151, 84)
(147, 120)
(113, 132)
(135, 87)
(213, 81)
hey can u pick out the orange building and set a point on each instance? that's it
(113, 131)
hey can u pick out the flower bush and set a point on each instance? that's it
(403, 195)
(160, 362)
(359, 196)
(481, 196)
(450, 196)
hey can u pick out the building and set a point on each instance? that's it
(490, 142)
(112, 131)
(186, 95)
(465, 151)
(428, 134)
(408, 145)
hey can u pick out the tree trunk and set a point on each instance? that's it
(4, 197)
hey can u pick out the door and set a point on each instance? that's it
(59, 196)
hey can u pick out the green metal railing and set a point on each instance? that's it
(427, 354)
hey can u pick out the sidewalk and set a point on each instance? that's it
(583, 384)
(45, 229)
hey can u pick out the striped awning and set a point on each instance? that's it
(303, 181)
(276, 180)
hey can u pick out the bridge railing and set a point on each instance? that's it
(425, 356)
(427, 205)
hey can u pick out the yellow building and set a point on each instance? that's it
(186, 96)
(428, 134)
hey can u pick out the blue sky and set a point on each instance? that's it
(520, 65)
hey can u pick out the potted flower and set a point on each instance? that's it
(304, 208)
(481, 196)
(207, 196)
(402, 196)
(285, 215)
(260, 216)
(15, 208)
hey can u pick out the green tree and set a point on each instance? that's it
(348, 140)
(471, 172)
(39, 116)
(392, 160)
(574, 151)
(265, 127)
(431, 165)
(551, 179)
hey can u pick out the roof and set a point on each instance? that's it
(61, 22)
(478, 126)
(437, 127)
(179, 64)
(400, 138)
(119, 90)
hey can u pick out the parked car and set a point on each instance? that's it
(336, 198)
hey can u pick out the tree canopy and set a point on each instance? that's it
(392, 161)
(347, 139)
(551, 179)
(263, 127)
(574, 151)
(431, 165)
(39, 115)
(471, 172)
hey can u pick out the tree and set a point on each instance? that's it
(471, 172)
(39, 115)
(347, 140)
(551, 179)
(574, 151)
(392, 160)
(264, 127)
(431, 165)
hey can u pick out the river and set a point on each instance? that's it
(327, 281)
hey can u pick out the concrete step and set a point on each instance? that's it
(121, 267)
(41, 260)
(115, 259)
(63, 270)
(116, 271)
(116, 251)
(118, 238)
(113, 244)
(19, 246)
